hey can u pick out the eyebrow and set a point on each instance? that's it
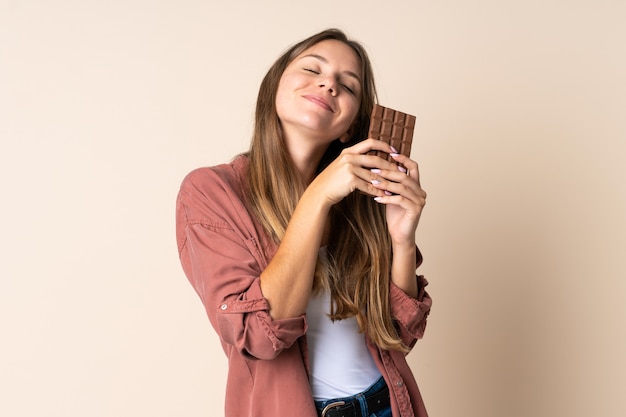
(324, 60)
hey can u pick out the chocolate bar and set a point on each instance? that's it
(393, 127)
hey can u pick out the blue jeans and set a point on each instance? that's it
(386, 412)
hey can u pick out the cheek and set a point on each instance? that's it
(287, 92)
(353, 109)
(287, 82)
(281, 98)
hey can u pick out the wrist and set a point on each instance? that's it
(408, 247)
(313, 196)
(403, 268)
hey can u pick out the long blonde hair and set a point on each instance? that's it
(358, 270)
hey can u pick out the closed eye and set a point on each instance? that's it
(351, 91)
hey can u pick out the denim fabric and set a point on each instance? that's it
(375, 387)
(382, 413)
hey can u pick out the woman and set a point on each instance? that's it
(303, 249)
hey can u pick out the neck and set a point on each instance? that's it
(307, 165)
(306, 156)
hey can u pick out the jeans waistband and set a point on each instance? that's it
(373, 399)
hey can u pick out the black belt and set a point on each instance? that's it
(375, 402)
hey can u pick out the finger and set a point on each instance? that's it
(370, 144)
(410, 192)
(396, 173)
(412, 168)
(394, 176)
(363, 179)
(403, 202)
(398, 183)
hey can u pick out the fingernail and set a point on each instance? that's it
(388, 192)
(394, 155)
(377, 198)
(401, 169)
(394, 150)
(375, 170)
(375, 182)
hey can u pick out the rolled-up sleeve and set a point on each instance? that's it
(409, 313)
(222, 264)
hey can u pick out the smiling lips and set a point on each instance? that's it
(320, 101)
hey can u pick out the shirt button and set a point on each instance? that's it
(399, 383)
(223, 306)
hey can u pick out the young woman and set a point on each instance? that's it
(303, 249)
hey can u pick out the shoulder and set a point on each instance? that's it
(211, 182)
(230, 175)
(213, 190)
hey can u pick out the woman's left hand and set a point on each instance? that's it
(404, 198)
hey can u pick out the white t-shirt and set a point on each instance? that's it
(341, 365)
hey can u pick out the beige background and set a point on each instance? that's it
(521, 137)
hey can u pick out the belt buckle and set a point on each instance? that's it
(331, 405)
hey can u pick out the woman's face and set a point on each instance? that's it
(319, 93)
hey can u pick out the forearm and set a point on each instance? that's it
(403, 269)
(288, 279)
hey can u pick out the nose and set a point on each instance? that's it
(329, 84)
